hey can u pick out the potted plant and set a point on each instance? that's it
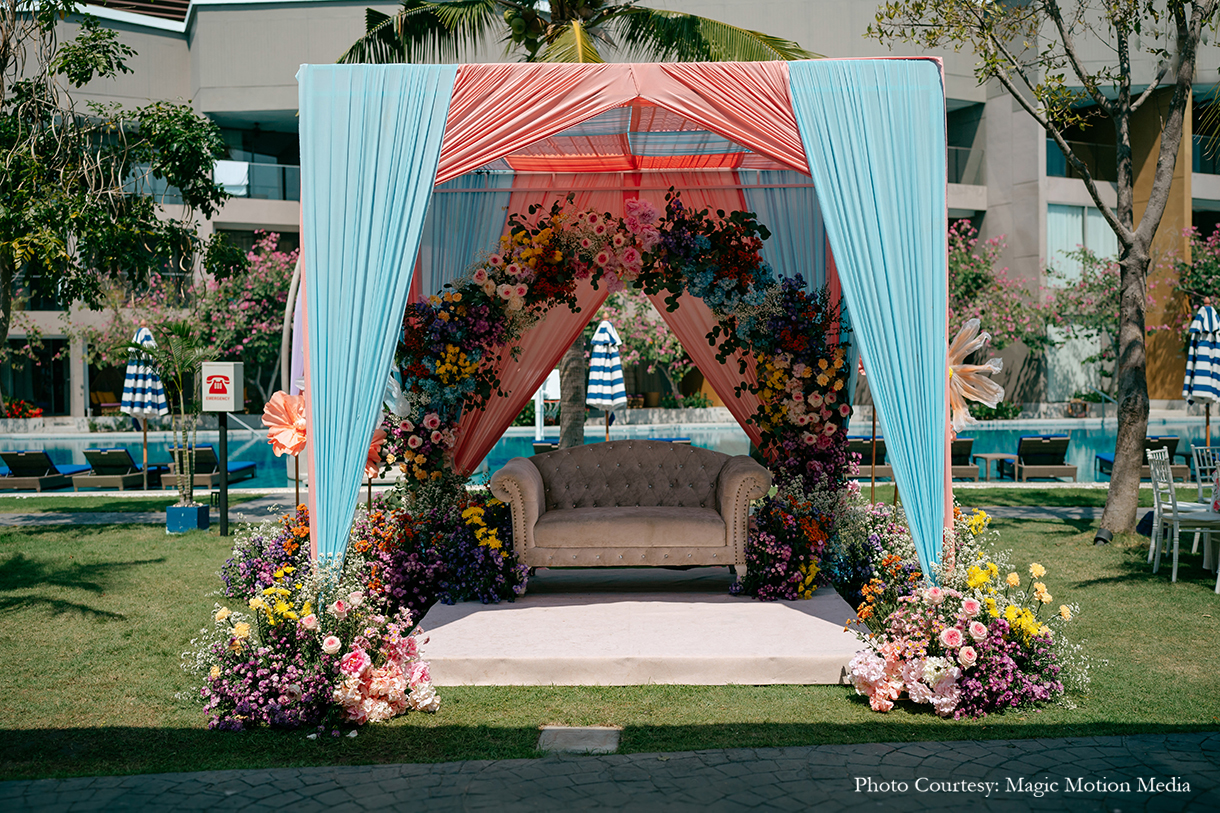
(176, 358)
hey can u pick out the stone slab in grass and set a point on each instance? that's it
(579, 740)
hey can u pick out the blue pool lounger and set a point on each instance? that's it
(33, 470)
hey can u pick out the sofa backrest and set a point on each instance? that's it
(630, 473)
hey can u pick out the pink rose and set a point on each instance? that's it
(293, 691)
(809, 438)
(310, 622)
(619, 241)
(602, 258)
(829, 429)
(600, 229)
(419, 673)
(966, 656)
(495, 261)
(951, 637)
(415, 441)
(513, 270)
(357, 714)
(489, 287)
(593, 219)
(355, 598)
(585, 242)
(971, 606)
(339, 609)
(844, 410)
(798, 396)
(935, 595)
(505, 291)
(480, 276)
(831, 397)
(407, 426)
(978, 631)
(815, 399)
(331, 645)
(432, 421)
(437, 437)
(355, 662)
(521, 290)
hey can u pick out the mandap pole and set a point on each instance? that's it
(144, 423)
(872, 493)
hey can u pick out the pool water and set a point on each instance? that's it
(1088, 438)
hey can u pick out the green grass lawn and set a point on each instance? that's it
(95, 618)
(1051, 497)
(82, 505)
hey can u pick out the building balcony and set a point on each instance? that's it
(243, 179)
(1100, 159)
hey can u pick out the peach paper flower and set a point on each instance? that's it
(372, 466)
(284, 417)
(966, 381)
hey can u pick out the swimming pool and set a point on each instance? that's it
(1088, 438)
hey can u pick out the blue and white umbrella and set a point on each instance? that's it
(143, 393)
(1202, 382)
(606, 388)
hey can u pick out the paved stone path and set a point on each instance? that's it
(1179, 772)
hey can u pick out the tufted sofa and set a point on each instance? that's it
(631, 502)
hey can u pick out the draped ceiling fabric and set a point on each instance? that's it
(874, 132)
(726, 134)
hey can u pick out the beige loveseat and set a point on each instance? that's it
(631, 502)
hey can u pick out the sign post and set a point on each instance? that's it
(223, 392)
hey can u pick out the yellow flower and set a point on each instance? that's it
(991, 607)
(306, 608)
(1037, 571)
(1010, 613)
(222, 613)
(823, 380)
(838, 384)
(257, 603)
(825, 365)
(215, 673)
(241, 630)
(1013, 579)
(1065, 612)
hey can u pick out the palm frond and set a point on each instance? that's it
(672, 36)
(574, 44)
(424, 31)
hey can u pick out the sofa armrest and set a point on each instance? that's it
(519, 484)
(741, 480)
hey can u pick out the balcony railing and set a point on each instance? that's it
(965, 165)
(1101, 160)
(242, 179)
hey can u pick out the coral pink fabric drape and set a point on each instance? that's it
(545, 343)
(541, 349)
(693, 320)
(748, 102)
(499, 109)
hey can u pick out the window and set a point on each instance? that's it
(1070, 227)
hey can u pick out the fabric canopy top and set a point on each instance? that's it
(375, 140)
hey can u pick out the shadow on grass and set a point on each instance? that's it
(20, 572)
(34, 754)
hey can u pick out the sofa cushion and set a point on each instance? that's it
(643, 527)
(630, 473)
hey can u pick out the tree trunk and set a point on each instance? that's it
(573, 373)
(6, 309)
(1131, 376)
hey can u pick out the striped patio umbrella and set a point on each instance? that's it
(606, 388)
(143, 394)
(1202, 381)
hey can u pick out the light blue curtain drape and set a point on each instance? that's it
(874, 135)
(797, 244)
(798, 239)
(370, 145)
(481, 209)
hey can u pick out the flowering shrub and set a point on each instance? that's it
(305, 641)
(16, 408)
(787, 537)
(972, 644)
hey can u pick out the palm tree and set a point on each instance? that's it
(559, 31)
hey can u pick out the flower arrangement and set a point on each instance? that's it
(970, 645)
(17, 408)
(450, 341)
(788, 534)
(305, 641)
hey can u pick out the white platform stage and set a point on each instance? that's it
(632, 626)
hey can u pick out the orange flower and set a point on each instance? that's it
(284, 417)
(372, 466)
